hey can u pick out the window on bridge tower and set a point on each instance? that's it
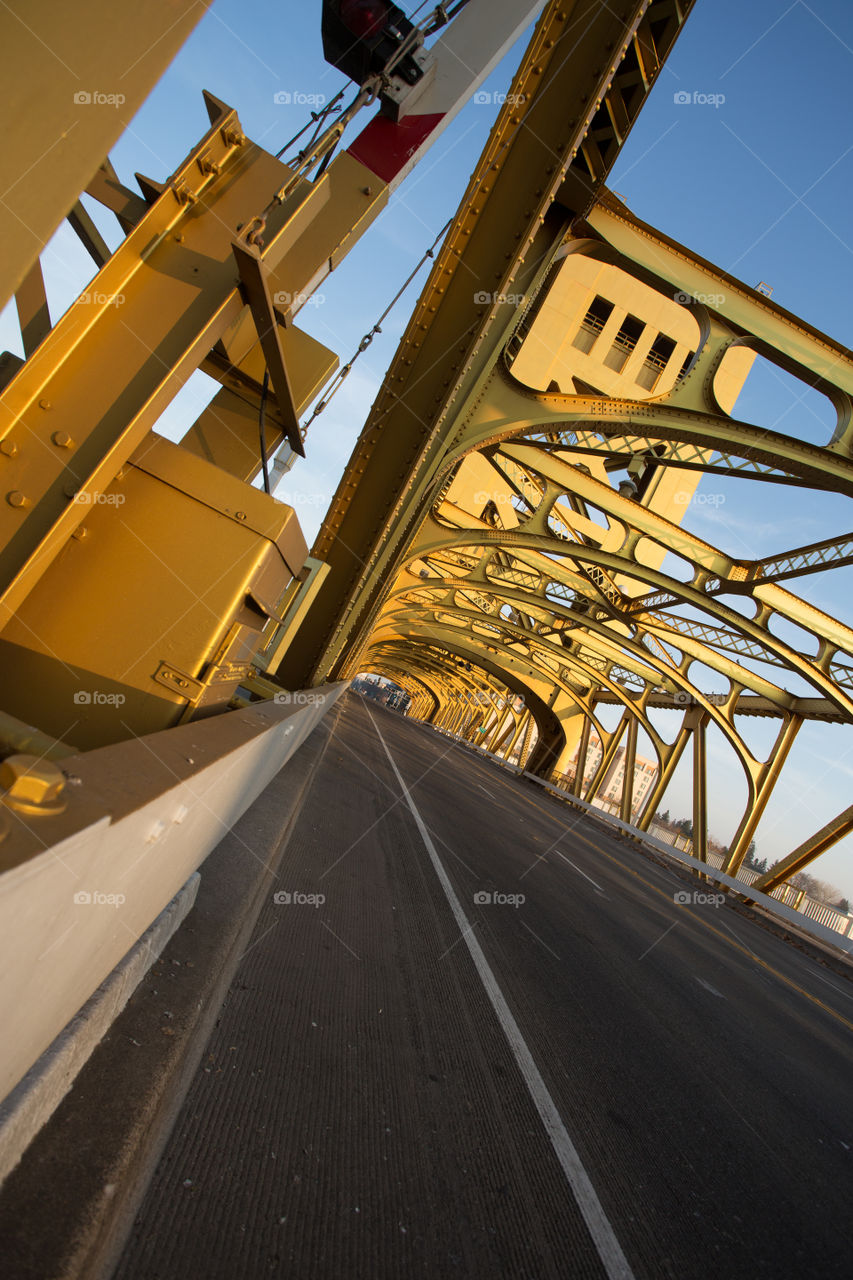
(592, 324)
(630, 332)
(655, 362)
(687, 362)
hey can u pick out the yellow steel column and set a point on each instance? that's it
(668, 767)
(583, 752)
(767, 778)
(505, 724)
(524, 753)
(608, 757)
(507, 744)
(627, 804)
(458, 713)
(700, 787)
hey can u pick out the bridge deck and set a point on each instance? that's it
(360, 1110)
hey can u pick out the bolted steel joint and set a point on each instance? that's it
(32, 785)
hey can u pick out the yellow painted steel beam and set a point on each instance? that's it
(519, 407)
(454, 334)
(799, 345)
(806, 853)
(761, 789)
(73, 78)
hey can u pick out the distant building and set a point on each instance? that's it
(382, 691)
(610, 792)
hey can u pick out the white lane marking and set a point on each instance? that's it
(609, 1250)
(708, 987)
(831, 985)
(580, 873)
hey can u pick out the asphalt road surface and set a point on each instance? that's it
(577, 1076)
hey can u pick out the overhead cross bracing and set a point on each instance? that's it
(516, 497)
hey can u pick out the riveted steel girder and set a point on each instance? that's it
(510, 224)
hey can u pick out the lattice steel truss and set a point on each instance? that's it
(538, 572)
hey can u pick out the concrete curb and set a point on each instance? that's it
(66, 1209)
(33, 1101)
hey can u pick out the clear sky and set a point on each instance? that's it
(759, 180)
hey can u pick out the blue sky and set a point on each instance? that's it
(759, 182)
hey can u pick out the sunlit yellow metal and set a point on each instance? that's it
(73, 76)
(526, 559)
(585, 63)
(121, 631)
(139, 579)
(810, 849)
(506, 542)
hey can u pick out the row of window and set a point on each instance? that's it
(629, 334)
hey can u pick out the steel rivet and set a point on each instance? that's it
(32, 784)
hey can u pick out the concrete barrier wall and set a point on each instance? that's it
(80, 888)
